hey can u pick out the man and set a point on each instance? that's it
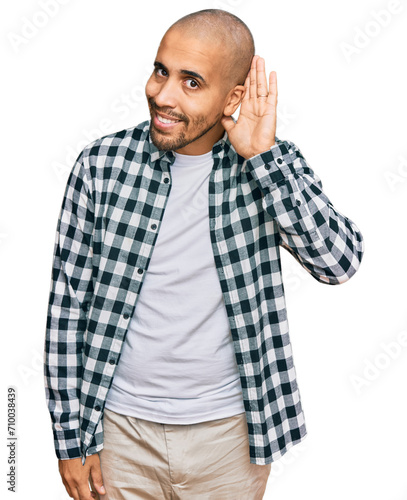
(168, 364)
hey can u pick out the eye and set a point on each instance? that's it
(192, 84)
(161, 72)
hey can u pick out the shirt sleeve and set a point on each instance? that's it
(325, 242)
(70, 293)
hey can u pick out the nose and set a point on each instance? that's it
(165, 94)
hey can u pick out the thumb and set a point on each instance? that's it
(228, 124)
(97, 479)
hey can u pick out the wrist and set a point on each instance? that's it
(256, 152)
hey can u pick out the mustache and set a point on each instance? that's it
(167, 111)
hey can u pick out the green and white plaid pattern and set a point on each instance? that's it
(109, 221)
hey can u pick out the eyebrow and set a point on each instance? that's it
(187, 72)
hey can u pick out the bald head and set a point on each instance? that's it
(229, 33)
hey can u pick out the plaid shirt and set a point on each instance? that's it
(109, 221)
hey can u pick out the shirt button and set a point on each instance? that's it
(298, 202)
(140, 271)
(279, 161)
(97, 408)
(166, 180)
(153, 226)
(126, 316)
(112, 361)
(267, 167)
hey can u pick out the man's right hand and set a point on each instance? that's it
(75, 477)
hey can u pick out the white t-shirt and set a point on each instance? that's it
(178, 364)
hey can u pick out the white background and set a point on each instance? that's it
(81, 75)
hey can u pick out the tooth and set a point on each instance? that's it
(165, 120)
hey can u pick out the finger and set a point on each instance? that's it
(253, 78)
(93, 492)
(75, 494)
(261, 77)
(79, 496)
(227, 123)
(273, 92)
(67, 487)
(246, 96)
(96, 479)
(83, 492)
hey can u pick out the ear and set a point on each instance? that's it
(233, 100)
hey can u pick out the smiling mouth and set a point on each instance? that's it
(161, 119)
(165, 123)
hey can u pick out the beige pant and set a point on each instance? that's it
(151, 461)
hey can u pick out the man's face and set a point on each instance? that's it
(186, 94)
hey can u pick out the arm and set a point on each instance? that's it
(327, 244)
(71, 289)
(70, 292)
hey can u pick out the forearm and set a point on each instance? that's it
(325, 242)
(62, 367)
